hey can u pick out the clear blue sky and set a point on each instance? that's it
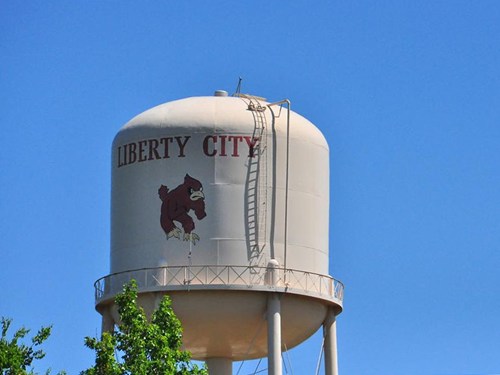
(406, 92)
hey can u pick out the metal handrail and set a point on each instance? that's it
(222, 277)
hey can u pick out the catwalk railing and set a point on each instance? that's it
(174, 278)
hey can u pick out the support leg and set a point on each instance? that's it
(274, 334)
(330, 336)
(108, 323)
(220, 366)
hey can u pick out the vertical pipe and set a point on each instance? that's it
(330, 337)
(274, 334)
(220, 366)
(289, 104)
(286, 179)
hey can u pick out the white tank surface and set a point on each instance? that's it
(206, 193)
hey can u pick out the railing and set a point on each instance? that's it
(222, 277)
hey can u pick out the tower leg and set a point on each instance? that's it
(330, 336)
(274, 334)
(108, 323)
(220, 366)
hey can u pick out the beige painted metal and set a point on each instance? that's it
(206, 297)
(223, 277)
(232, 324)
(274, 334)
(330, 342)
(262, 174)
(219, 366)
(273, 312)
(234, 193)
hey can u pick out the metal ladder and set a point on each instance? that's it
(257, 188)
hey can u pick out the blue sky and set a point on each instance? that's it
(407, 94)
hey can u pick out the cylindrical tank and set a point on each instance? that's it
(206, 192)
(238, 158)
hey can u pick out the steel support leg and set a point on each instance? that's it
(108, 323)
(274, 334)
(330, 336)
(220, 366)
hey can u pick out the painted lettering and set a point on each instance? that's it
(132, 154)
(142, 150)
(182, 145)
(236, 140)
(120, 162)
(206, 141)
(153, 149)
(220, 145)
(165, 142)
(252, 143)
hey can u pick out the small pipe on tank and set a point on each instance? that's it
(288, 104)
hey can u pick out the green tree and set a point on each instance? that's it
(16, 358)
(141, 347)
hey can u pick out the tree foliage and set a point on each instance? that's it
(16, 358)
(141, 347)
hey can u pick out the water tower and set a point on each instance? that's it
(222, 203)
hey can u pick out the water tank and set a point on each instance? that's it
(219, 201)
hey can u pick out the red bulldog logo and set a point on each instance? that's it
(176, 205)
